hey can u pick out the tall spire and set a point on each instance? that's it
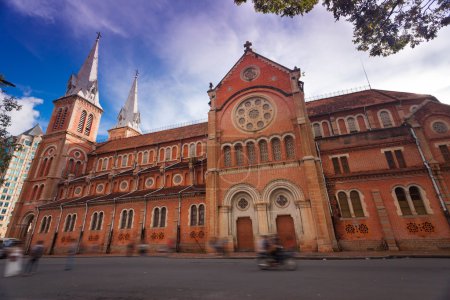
(85, 83)
(129, 114)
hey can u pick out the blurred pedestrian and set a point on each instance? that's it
(13, 266)
(35, 254)
(70, 260)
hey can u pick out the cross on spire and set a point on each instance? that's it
(137, 73)
(248, 46)
(99, 35)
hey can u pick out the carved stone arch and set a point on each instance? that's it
(47, 150)
(262, 138)
(250, 141)
(288, 134)
(83, 155)
(26, 224)
(226, 144)
(272, 186)
(276, 136)
(241, 188)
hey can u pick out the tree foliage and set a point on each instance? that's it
(7, 143)
(381, 27)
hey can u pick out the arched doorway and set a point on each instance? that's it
(26, 226)
(286, 231)
(244, 233)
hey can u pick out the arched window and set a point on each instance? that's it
(385, 119)
(82, 121)
(343, 205)
(192, 150)
(239, 155)
(58, 118)
(39, 193)
(63, 118)
(100, 221)
(263, 152)
(47, 226)
(155, 217)
(193, 215)
(356, 204)
(78, 168)
(317, 130)
(167, 154)
(94, 221)
(105, 164)
(289, 145)
(130, 218)
(34, 192)
(69, 166)
(352, 125)
(227, 156)
(42, 167)
(124, 160)
(251, 153)
(276, 149)
(87, 130)
(402, 201)
(145, 157)
(201, 215)
(162, 222)
(123, 223)
(70, 222)
(417, 201)
(43, 224)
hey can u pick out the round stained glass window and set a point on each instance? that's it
(177, 179)
(242, 204)
(254, 114)
(281, 201)
(100, 188)
(123, 185)
(77, 191)
(440, 127)
(149, 182)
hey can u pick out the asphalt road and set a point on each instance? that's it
(172, 278)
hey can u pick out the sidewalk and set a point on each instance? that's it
(301, 255)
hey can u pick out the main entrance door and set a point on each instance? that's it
(286, 231)
(244, 234)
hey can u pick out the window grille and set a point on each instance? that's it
(289, 145)
(87, 130)
(82, 121)
(352, 125)
(227, 156)
(276, 149)
(239, 155)
(385, 119)
(251, 153)
(263, 151)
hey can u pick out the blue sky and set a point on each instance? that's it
(180, 46)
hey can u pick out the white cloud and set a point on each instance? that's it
(26, 117)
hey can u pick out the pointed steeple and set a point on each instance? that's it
(129, 115)
(85, 83)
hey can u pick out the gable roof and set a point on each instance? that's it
(158, 137)
(34, 131)
(360, 99)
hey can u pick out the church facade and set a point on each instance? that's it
(368, 170)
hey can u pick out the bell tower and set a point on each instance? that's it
(72, 130)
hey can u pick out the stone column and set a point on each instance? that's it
(261, 211)
(308, 237)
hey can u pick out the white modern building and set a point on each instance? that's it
(16, 173)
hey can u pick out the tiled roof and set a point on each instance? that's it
(358, 99)
(159, 137)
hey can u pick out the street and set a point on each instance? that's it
(175, 278)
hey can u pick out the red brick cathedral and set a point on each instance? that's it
(368, 170)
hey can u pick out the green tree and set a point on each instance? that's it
(382, 27)
(7, 143)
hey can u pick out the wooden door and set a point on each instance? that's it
(286, 232)
(244, 234)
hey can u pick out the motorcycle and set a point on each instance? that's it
(267, 261)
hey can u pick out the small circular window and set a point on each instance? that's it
(254, 114)
(177, 179)
(281, 201)
(77, 154)
(100, 188)
(440, 127)
(149, 182)
(77, 191)
(250, 73)
(242, 204)
(123, 185)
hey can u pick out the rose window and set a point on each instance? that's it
(242, 203)
(440, 127)
(254, 114)
(281, 201)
